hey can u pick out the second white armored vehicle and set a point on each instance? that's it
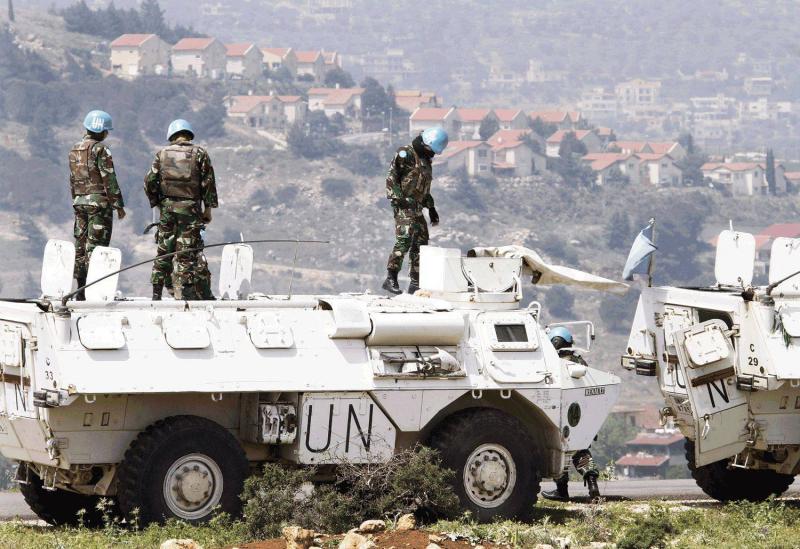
(166, 407)
(727, 360)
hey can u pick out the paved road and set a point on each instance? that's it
(12, 505)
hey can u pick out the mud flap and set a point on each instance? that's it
(720, 409)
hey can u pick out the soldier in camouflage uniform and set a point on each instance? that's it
(95, 192)
(582, 460)
(202, 282)
(181, 184)
(408, 187)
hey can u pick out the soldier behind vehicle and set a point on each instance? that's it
(95, 192)
(182, 185)
(408, 187)
(562, 340)
(202, 281)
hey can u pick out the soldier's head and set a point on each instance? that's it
(561, 338)
(179, 129)
(97, 124)
(435, 140)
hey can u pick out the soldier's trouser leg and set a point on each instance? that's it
(202, 282)
(420, 238)
(92, 229)
(162, 267)
(584, 464)
(402, 239)
(188, 238)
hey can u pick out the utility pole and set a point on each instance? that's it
(11, 10)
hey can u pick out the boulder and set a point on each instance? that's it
(181, 544)
(406, 522)
(372, 526)
(354, 540)
(298, 538)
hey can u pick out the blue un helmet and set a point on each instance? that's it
(179, 125)
(435, 138)
(560, 337)
(97, 122)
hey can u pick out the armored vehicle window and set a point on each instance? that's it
(510, 333)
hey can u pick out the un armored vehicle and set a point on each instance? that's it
(166, 407)
(727, 360)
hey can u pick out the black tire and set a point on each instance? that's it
(725, 483)
(164, 445)
(461, 435)
(62, 508)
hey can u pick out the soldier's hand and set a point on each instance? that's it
(121, 213)
(434, 216)
(206, 217)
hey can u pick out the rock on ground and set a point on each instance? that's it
(406, 522)
(298, 538)
(181, 544)
(372, 526)
(354, 540)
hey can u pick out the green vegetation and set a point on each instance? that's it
(411, 482)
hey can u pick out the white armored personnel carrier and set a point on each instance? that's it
(727, 360)
(166, 407)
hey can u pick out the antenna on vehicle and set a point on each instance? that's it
(294, 267)
(191, 250)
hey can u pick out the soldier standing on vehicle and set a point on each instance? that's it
(408, 187)
(95, 192)
(582, 460)
(181, 184)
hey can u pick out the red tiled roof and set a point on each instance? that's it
(239, 50)
(507, 139)
(731, 166)
(788, 230)
(633, 146)
(642, 460)
(243, 104)
(473, 115)
(793, 176)
(662, 146)
(307, 56)
(335, 96)
(455, 147)
(651, 156)
(601, 161)
(289, 98)
(430, 114)
(131, 40)
(555, 117)
(560, 134)
(192, 44)
(656, 439)
(507, 115)
(603, 131)
(280, 52)
(409, 103)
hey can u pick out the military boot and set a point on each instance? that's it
(81, 295)
(390, 284)
(561, 493)
(157, 289)
(413, 286)
(591, 484)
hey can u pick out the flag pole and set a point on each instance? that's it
(652, 223)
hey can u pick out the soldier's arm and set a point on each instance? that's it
(427, 202)
(208, 181)
(105, 165)
(394, 177)
(152, 182)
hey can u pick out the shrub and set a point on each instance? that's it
(361, 161)
(650, 530)
(337, 188)
(411, 482)
(559, 302)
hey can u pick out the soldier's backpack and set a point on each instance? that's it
(85, 176)
(180, 177)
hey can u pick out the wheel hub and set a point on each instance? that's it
(193, 486)
(489, 475)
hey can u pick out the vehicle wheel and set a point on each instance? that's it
(183, 467)
(62, 508)
(494, 461)
(731, 484)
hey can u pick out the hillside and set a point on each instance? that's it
(269, 193)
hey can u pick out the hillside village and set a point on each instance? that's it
(504, 142)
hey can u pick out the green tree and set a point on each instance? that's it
(11, 11)
(687, 142)
(489, 126)
(770, 173)
(542, 128)
(618, 231)
(559, 302)
(610, 443)
(571, 147)
(339, 77)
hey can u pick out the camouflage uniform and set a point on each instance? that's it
(179, 181)
(408, 186)
(202, 280)
(95, 196)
